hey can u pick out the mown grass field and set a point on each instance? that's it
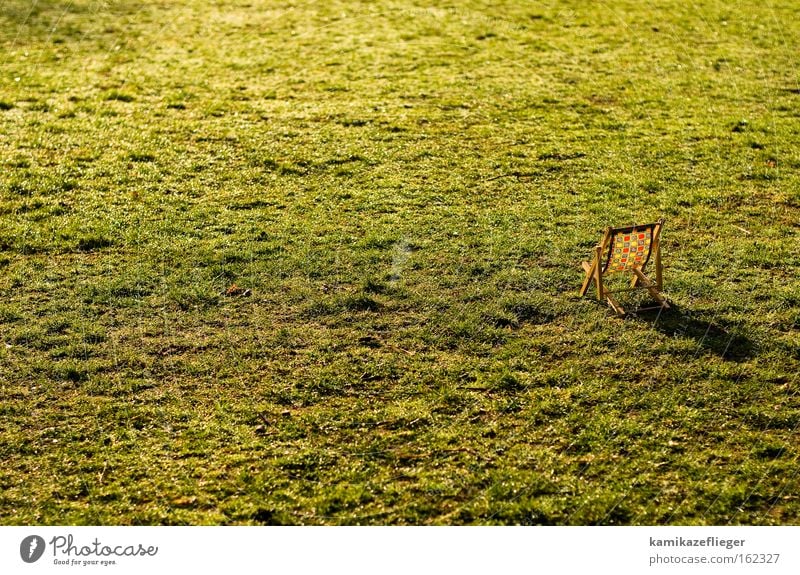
(317, 262)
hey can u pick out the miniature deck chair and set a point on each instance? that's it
(628, 250)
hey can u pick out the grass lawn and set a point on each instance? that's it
(317, 262)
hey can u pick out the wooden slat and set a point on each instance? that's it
(651, 288)
(588, 279)
(641, 277)
(615, 305)
(659, 270)
(598, 274)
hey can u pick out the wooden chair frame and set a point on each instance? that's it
(600, 264)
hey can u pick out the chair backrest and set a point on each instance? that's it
(630, 247)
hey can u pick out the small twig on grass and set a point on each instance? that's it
(517, 175)
(394, 347)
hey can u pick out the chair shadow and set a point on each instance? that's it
(719, 337)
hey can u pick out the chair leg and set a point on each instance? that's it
(588, 279)
(645, 281)
(598, 273)
(615, 305)
(659, 273)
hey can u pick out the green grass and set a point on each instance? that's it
(406, 190)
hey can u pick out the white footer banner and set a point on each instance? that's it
(379, 550)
